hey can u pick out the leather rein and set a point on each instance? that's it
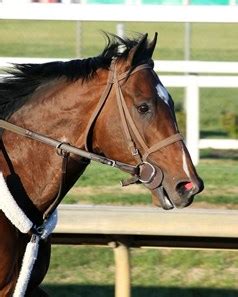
(145, 172)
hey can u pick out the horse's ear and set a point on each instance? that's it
(152, 44)
(137, 51)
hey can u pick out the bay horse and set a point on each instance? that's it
(113, 105)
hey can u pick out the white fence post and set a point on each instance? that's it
(122, 269)
(192, 118)
(120, 30)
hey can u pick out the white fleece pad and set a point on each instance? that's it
(18, 218)
(10, 208)
(30, 255)
(28, 262)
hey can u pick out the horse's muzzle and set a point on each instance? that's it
(166, 195)
(182, 196)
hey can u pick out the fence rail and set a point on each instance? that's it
(100, 12)
(122, 228)
(84, 222)
(161, 66)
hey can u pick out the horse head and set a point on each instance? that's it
(137, 125)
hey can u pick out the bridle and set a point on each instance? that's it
(144, 171)
(148, 174)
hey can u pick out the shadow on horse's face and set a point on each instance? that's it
(149, 115)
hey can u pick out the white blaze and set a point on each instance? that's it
(163, 93)
(185, 165)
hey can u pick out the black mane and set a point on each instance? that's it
(24, 79)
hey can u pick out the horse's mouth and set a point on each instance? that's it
(167, 203)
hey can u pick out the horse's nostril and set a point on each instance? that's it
(188, 186)
(184, 187)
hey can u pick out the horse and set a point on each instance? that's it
(112, 105)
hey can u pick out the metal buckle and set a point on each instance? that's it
(112, 163)
(152, 175)
(135, 152)
(38, 230)
(61, 152)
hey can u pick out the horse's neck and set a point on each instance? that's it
(61, 112)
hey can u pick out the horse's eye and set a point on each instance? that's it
(143, 108)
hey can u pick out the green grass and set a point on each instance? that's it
(58, 39)
(212, 104)
(82, 270)
(37, 39)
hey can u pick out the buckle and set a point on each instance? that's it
(61, 152)
(134, 151)
(148, 176)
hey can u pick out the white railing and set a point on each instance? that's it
(192, 83)
(144, 13)
(161, 66)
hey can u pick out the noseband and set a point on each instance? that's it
(148, 174)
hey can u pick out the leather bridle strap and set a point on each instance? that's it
(114, 79)
(60, 195)
(162, 144)
(129, 125)
(99, 107)
(124, 115)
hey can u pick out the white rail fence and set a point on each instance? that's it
(100, 12)
(192, 84)
(123, 228)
